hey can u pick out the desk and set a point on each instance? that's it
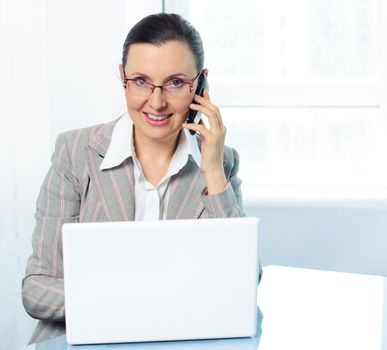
(303, 309)
(313, 310)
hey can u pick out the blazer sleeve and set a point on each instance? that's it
(227, 203)
(58, 203)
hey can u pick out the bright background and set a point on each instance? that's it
(302, 86)
(303, 92)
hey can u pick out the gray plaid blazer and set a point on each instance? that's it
(75, 190)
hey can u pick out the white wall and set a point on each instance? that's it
(59, 71)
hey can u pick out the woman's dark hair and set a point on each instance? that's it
(160, 28)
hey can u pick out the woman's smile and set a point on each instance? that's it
(157, 119)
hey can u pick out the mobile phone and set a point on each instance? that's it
(194, 116)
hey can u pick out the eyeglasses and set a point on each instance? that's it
(176, 87)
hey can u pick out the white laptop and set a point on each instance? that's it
(160, 280)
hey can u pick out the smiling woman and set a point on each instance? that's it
(145, 165)
(158, 114)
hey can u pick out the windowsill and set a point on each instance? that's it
(315, 196)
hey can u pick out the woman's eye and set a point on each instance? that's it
(176, 83)
(140, 81)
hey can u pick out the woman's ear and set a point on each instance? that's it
(122, 75)
(205, 72)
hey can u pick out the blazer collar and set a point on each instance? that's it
(117, 204)
(101, 136)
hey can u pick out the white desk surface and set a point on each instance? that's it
(311, 309)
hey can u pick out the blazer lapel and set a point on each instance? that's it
(115, 186)
(185, 193)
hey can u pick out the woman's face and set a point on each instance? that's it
(159, 116)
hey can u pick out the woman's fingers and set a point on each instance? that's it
(206, 107)
(201, 128)
(215, 108)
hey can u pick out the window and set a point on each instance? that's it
(302, 88)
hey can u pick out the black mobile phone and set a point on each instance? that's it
(194, 116)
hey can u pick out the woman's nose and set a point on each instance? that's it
(157, 100)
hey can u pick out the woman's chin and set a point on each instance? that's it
(158, 134)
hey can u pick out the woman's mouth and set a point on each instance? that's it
(157, 120)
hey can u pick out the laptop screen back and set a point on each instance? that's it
(162, 280)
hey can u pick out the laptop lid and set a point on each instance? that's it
(160, 280)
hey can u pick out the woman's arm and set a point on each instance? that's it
(227, 203)
(58, 203)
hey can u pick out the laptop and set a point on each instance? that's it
(144, 281)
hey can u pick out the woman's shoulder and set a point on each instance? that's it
(230, 154)
(231, 158)
(92, 135)
(72, 147)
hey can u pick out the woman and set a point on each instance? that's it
(143, 166)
